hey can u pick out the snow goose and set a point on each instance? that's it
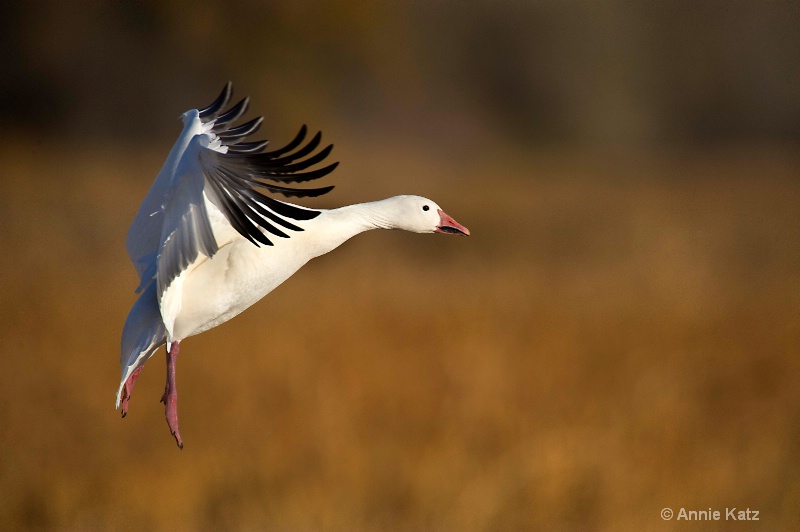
(207, 243)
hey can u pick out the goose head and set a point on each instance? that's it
(421, 215)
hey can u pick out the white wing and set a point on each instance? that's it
(143, 334)
(144, 236)
(207, 188)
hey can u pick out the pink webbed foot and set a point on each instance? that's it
(127, 389)
(170, 397)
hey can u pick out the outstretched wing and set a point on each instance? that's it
(234, 178)
(144, 235)
(215, 181)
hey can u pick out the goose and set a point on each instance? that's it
(210, 240)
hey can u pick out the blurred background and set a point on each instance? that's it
(619, 335)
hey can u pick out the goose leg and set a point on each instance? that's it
(170, 397)
(128, 389)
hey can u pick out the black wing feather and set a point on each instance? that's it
(231, 115)
(238, 133)
(222, 100)
(251, 208)
(234, 212)
(248, 147)
(235, 176)
(302, 152)
(289, 147)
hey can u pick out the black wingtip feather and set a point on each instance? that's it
(298, 192)
(248, 147)
(232, 114)
(236, 175)
(302, 152)
(221, 101)
(289, 147)
(242, 131)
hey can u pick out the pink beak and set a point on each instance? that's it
(449, 226)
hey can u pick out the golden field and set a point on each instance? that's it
(619, 335)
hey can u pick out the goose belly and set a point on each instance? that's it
(238, 276)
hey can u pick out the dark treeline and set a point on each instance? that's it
(623, 72)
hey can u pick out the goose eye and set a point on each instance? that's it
(425, 207)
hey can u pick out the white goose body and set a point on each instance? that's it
(240, 274)
(207, 244)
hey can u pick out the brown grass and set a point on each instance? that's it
(620, 335)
